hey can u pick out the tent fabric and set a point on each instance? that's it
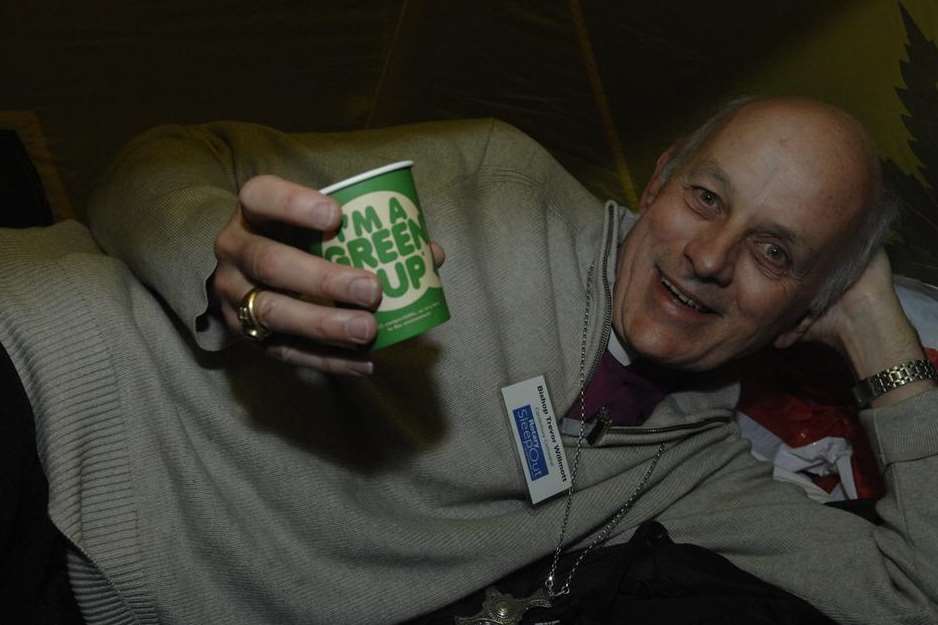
(605, 86)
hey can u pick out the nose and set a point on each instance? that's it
(712, 255)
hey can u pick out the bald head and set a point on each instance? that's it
(748, 230)
(836, 157)
(828, 136)
(827, 141)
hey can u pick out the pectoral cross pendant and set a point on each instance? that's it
(499, 609)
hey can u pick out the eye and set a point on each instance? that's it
(707, 197)
(702, 200)
(775, 255)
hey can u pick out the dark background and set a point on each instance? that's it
(606, 86)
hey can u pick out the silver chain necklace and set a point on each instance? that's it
(503, 609)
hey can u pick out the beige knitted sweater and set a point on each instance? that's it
(204, 486)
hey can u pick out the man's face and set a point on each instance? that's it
(728, 254)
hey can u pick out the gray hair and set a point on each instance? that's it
(869, 233)
(864, 242)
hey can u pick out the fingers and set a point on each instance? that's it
(287, 315)
(325, 359)
(306, 353)
(269, 263)
(439, 254)
(271, 199)
(298, 290)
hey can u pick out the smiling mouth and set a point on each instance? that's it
(684, 299)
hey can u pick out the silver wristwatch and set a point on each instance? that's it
(892, 378)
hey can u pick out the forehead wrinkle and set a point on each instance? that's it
(711, 168)
(773, 193)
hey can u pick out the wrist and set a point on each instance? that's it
(869, 354)
(895, 383)
(882, 347)
(879, 338)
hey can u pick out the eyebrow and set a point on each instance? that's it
(712, 169)
(785, 234)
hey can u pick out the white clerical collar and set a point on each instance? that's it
(617, 350)
(615, 346)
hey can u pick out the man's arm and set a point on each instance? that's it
(869, 326)
(192, 210)
(850, 569)
(159, 209)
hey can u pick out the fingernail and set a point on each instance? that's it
(359, 329)
(365, 291)
(362, 368)
(325, 214)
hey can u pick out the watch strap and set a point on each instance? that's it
(892, 378)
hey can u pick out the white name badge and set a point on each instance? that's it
(537, 438)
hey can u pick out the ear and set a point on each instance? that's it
(654, 185)
(792, 336)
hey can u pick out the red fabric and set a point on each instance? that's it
(802, 394)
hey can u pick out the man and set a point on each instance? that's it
(261, 490)
(787, 308)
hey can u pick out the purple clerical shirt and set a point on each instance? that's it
(629, 392)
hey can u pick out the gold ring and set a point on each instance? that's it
(250, 326)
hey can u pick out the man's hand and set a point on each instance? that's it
(868, 325)
(298, 289)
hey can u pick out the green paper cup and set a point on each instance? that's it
(383, 230)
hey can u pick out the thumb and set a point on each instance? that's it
(805, 329)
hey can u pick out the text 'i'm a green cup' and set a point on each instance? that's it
(383, 231)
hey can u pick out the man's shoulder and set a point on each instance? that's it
(27, 246)
(469, 144)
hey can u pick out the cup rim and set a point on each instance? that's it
(371, 173)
